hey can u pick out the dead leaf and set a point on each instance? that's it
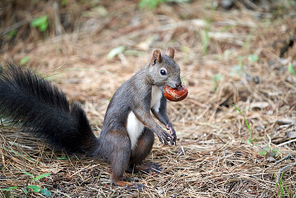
(291, 134)
(285, 121)
(259, 105)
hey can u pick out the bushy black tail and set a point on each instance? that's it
(41, 107)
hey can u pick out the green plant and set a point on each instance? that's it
(268, 151)
(41, 23)
(205, 38)
(150, 3)
(238, 70)
(254, 58)
(216, 79)
(115, 52)
(281, 187)
(63, 158)
(8, 189)
(24, 60)
(64, 2)
(35, 188)
(12, 33)
(249, 38)
(240, 61)
(250, 140)
(38, 177)
(291, 69)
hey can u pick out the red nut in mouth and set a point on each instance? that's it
(176, 94)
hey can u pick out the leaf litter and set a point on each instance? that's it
(240, 56)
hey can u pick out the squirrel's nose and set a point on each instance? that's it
(179, 85)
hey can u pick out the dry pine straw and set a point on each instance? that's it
(212, 157)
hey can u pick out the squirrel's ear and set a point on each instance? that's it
(170, 52)
(156, 57)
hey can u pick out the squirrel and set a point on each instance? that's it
(127, 134)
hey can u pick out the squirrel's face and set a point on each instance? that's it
(164, 70)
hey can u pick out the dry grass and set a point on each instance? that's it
(213, 157)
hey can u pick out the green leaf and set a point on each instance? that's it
(266, 148)
(10, 188)
(249, 142)
(43, 27)
(29, 174)
(272, 154)
(115, 52)
(253, 58)
(263, 152)
(250, 132)
(205, 41)
(282, 190)
(34, 188)
(45, 192)
(236, 70)
(291, 69)
(150, 3)
(217, 77)
(276, 152)
(63, 158)
(240, 61)
(101, 11)
(39, 21)
(41, 176)
(64, 2)
(12, 33)
(24, 60)
(25, 190)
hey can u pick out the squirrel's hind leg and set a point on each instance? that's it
(120, 157)
(142, 150)
(118, 153)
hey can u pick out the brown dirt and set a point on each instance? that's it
(212, 158)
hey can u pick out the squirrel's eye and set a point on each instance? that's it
(163, 72)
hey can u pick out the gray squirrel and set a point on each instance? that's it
(127, 134)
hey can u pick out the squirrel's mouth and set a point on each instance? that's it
(176, 86)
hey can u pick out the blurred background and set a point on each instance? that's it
(239, 52)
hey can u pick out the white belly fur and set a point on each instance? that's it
(135, 126)
(156, 97)
(134, 129)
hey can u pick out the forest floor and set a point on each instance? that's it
(244, 56)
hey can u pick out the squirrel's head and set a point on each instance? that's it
(164, 70)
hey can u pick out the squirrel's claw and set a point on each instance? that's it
(165, 137)
(173, 136)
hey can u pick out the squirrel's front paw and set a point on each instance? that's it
(164, 137)
(173, 135)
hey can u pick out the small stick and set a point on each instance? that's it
(289, 156)
(282, 144)
(282, 170)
